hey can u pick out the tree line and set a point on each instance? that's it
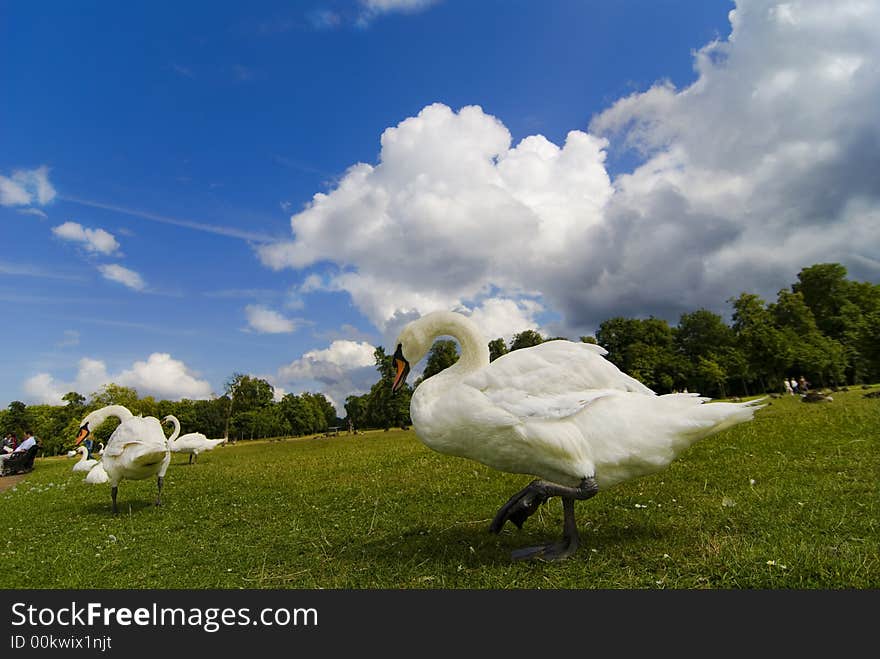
(246, 410)
(825, 327)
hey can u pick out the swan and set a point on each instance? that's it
(558, 410)
(100, 448)
(137, 449)
(85, 463)
(192, 443)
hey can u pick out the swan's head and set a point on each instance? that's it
(412, 345)
(83, 433)
(167, 419)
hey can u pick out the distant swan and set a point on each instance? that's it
(137, 449)
(85, 463)
(557, 410)
(192, 443)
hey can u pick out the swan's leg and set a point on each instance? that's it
(524, 503)
(190, 458)
(113, 491)
(159, 495)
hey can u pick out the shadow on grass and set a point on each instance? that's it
(472, 545)
(104, 508)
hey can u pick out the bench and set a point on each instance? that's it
(19, 463)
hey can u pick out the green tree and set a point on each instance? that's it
(74, 399)
(115, 394)
(701, 334)
(526, 339)
(765, 353)
(820, 359)
(442, 355)
(643, 348)
(246, 394)
(824, 288)
(497, 348)
(16, 419)
(355, 411)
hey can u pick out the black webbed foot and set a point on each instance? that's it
(520, 506)
(523, 505)
(552, 552)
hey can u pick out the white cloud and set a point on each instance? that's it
(94, 240)
(268, 321)
(372, 9)
(330, 363)
(160, 376)
(384, 6)
(503, 318)
(343, 368)
(765, 164)
(33, 211)
(164, 377)
(451, 211)
(26, 187)
(123, 275)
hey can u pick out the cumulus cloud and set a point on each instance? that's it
(268, 321)
(26, 187)
(450, 213)
(159, 375)
(503, 318)
(343, 368)
(123, 275)
(94, 240)
(765, 164)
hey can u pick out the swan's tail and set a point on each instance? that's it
(715, 417)
(97, 475)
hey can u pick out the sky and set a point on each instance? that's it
(189, 190)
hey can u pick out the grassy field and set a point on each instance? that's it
(788, 501)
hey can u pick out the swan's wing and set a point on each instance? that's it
(190, 440)
(137, 430)
(552, 380)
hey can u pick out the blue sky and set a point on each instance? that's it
(153, 155)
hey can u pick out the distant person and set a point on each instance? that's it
(29, 440)
(803, 385)
(8, 445)
(788, 388)
(794, 386)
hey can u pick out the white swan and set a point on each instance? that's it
(192, 443)
(558, 410)
(85, 463)
(136, 450)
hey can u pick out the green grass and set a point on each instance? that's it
(787, 501)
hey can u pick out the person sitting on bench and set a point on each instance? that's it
(29, 440)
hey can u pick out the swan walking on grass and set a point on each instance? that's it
(137, 449)
(557, 410)
(85, 463)
(192, 442)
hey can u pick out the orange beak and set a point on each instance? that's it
(402, 369)
(82, 434)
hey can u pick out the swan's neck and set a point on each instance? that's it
(176, 432)
(474, 349)
(98, 417)
(85, 453)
